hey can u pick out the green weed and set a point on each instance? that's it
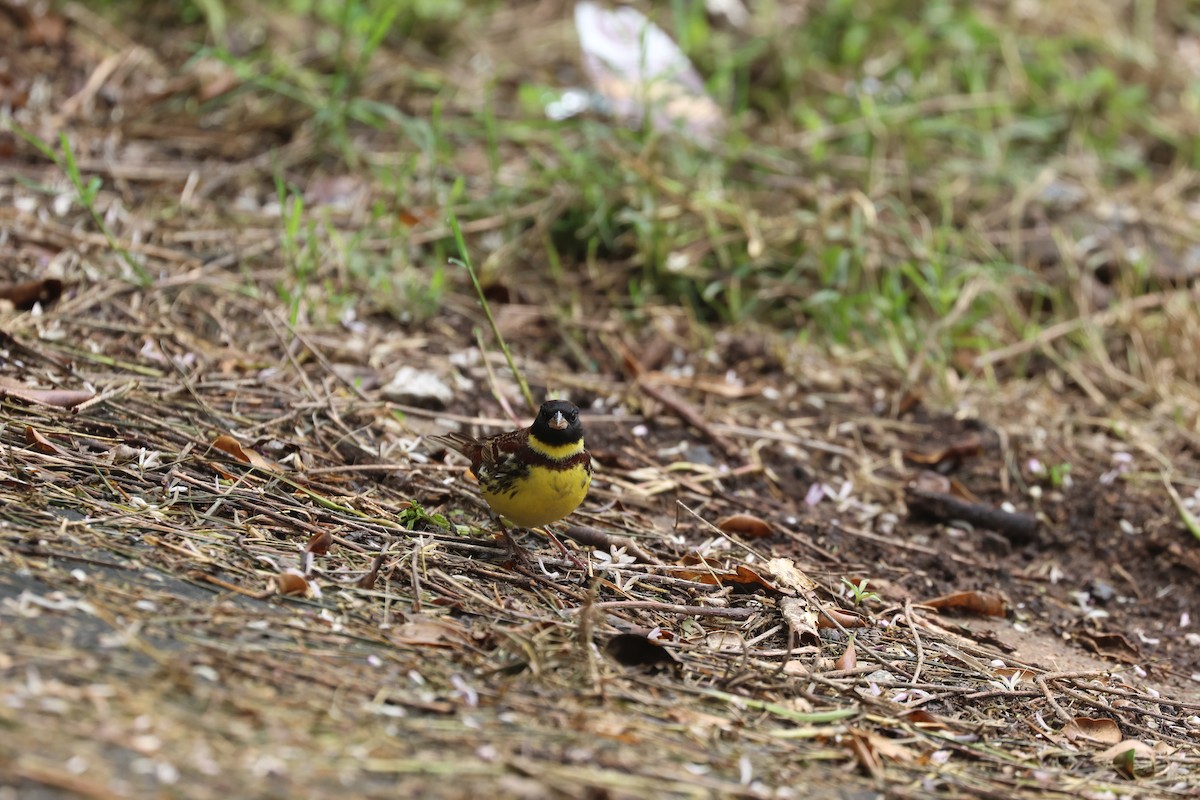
(87, 191)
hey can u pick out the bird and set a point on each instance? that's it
(532, 476)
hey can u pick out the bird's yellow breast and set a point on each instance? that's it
(542, 495)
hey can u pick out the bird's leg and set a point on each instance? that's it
(517, 553)
(563, 549)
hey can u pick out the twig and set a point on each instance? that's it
(674, 402)
(317, 354)
(586, 632)
(691, 416)
(111, 394)
(54, 777)
(908, 615)
(232, 587)
(1019, 528)
(675, 608)
(721, 533)
(1059, 711)
(789, 438)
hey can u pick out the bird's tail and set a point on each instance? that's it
(458, 442)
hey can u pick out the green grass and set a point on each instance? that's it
(876, 165)
(86, 194)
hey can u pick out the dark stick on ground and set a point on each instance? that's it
(1017, 528)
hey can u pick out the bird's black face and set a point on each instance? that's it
(558, 423)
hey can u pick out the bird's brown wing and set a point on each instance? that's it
(486, 455)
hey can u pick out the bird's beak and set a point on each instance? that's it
(559, 422)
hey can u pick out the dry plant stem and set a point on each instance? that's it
(317, 354)
(492, 382)
(571, 557)
(112, 394)
(1099, 319)
(676, 608)
(483, 225)
(672, 401)
(587, 619)
(1059, 711)
(790, 438)
(892, 541)
(719, 532)
(289, 351)
(54, 777)
(15, 348)
(232, 587)
(691, 416)
(914, 627)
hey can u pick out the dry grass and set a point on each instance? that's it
(148, 645)
(240, 291)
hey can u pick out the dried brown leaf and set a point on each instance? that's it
(1133, 757)
(966, 447)
(891, 749)
(25, 296)
(431, 633)
(367, 581)
(232, 447)
(841, 616)
(726, 641)
(788, 576)
(1138, 747)
(972, 602)
(1111, 645)
(741, 575)
(289, 583)
(319, 543)
(860, 747)
(1101, 730)
(40, 443)
(1022, 675)
(848, 659)
(746, 525)
(801, 618)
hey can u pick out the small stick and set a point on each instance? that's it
(1059, 712)
(111, 394)
(606, 541)
(196, 575)
(674, 402)
(1019, 528)
(691, 416)
(912, 624)
(675, 608)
